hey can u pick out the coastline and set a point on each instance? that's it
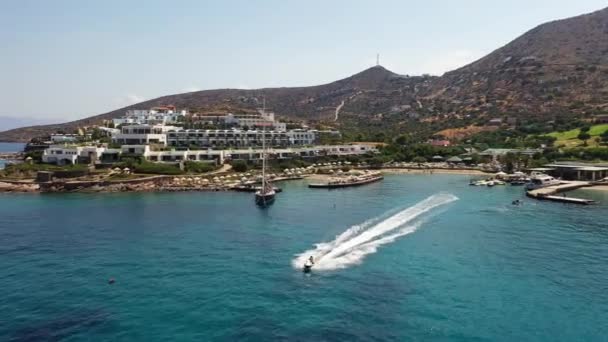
(164, 183)
(596, 188)
(406, 171)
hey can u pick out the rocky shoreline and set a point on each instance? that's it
(144, 184)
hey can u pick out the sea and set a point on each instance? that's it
(410, 258)
(9, 147)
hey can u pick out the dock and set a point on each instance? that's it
(549, 193)
(346, 184)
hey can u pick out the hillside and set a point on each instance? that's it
(558, 69)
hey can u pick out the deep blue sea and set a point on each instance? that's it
(213, 266)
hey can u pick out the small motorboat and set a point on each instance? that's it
(308, 264)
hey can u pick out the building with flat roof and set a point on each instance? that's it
(142, 134)
(247, 154)
(578, 170)
(66, 155)
(215, 138)
(250, 120)
(153, 116)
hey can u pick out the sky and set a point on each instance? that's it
(67, 59)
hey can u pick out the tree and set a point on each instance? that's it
(605, 137)
(584, 136)
(419, 160)
(239, 166)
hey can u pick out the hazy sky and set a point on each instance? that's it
(63, 60)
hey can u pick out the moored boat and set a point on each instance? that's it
(346, 183)
(265, 195)
(539, 181)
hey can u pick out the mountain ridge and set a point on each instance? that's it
(558, 68)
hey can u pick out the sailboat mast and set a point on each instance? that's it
(264, 149)
(264, 159)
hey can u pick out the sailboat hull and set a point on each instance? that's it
(264, 200)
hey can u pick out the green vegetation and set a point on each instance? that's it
(198, 167)
(27, 170)
(156, 168)
(239, 166)
(280, 165)
(409, 153)
(579, 136)
(604, 137)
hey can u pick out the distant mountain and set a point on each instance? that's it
(9, 122)
(556, 69)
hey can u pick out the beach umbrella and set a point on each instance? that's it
(454, 160)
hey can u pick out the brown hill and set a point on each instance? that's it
(556, 69)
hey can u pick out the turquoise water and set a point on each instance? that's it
(212, 266)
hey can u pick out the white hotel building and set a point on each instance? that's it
(156, 115)
(142, 134)
(242, 120)
(253, 154)
(238, 138)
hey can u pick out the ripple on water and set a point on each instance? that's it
(213, 266)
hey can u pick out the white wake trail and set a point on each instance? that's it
(351, 247)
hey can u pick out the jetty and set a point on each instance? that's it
(346, 183)
(549, 193)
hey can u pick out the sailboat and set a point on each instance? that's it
(265, 196)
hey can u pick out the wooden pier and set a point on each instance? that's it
(549, 193)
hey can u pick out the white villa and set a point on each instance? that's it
(64, 155)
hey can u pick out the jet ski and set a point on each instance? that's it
(308, 264)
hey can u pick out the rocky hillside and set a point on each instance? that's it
(556, 69)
